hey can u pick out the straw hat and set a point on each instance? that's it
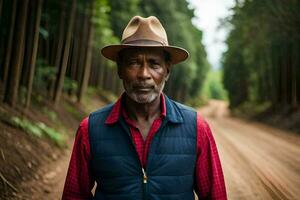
(145, 32)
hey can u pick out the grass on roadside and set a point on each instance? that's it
(39, 129)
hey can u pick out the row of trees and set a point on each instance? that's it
(44, 44)
(49, 46)
(262, 63)
(187, 79)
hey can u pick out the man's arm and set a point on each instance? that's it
(209, 175)
(79, 180)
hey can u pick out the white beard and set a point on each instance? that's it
(143, 98)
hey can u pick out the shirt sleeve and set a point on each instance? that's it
(209, 175)
(79, 181)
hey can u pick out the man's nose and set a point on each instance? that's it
(144, 71)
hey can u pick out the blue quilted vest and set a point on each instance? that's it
(171, 161)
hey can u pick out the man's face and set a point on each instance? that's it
(144, 73)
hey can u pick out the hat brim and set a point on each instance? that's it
(177, 54)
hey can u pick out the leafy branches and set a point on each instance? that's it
(261, 65)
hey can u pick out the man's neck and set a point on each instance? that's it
(143, 111)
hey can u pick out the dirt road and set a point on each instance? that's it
(259, 162)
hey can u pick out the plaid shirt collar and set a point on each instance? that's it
(117, 109)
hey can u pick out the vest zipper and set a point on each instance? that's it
(145, 179)
(145, 176)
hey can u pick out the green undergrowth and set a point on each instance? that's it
(213, 87)
(38, 129)
(251, 109)
(96, 98)
(107, 95)
(73, 111)
(197, 102)
(50, 114)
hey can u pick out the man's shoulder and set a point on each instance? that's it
(181, 106)
(179, 112)
(102, 111)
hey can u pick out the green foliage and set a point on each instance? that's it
(52, 134)
(73, 111)
(27, 126)
(70, 85)
(187, 77)
(251, 109)
(261, 65)
(197, 102)
(176, 17)
(109, 17)
(103, 32)
(120, 14)
(44, 33)
(39, 129)
(44, 75)
(50, 114)
(213, 87)
(107, 95)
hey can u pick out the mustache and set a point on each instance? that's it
(143, 85)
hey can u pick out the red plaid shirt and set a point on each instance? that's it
(208, 175)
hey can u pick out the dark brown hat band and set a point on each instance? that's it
(144, 43)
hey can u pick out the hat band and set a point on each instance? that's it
(145, 43)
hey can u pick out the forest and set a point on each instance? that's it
(262, 63)
(52, 48)
(52, 75)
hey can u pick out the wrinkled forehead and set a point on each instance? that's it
(136, 52)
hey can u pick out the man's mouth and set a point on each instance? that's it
(144, 88)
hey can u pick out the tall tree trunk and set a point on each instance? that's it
(62, 69)
(297, 63)
(47, 43)
(106, 77)
(95, 68)
(59, 47)
(75, 52)
(294, 78)
(100, 80)
(74, 64)
(276, 77)
(54, 43)
(29, 42)
(61, 37)
(283, 65)
(13, 86)
(80, 46)
(3, 39)
(34, 51)
(1, 5)
(88, 60)
(83, 49)
(9, 45)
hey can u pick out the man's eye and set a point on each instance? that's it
(132, 62)
(155, 65)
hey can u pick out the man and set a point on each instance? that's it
(145, 146)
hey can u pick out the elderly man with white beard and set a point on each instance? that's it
(145, 145)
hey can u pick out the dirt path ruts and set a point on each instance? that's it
(259, 162)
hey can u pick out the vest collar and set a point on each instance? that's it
(173, 113)
(116, 112)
